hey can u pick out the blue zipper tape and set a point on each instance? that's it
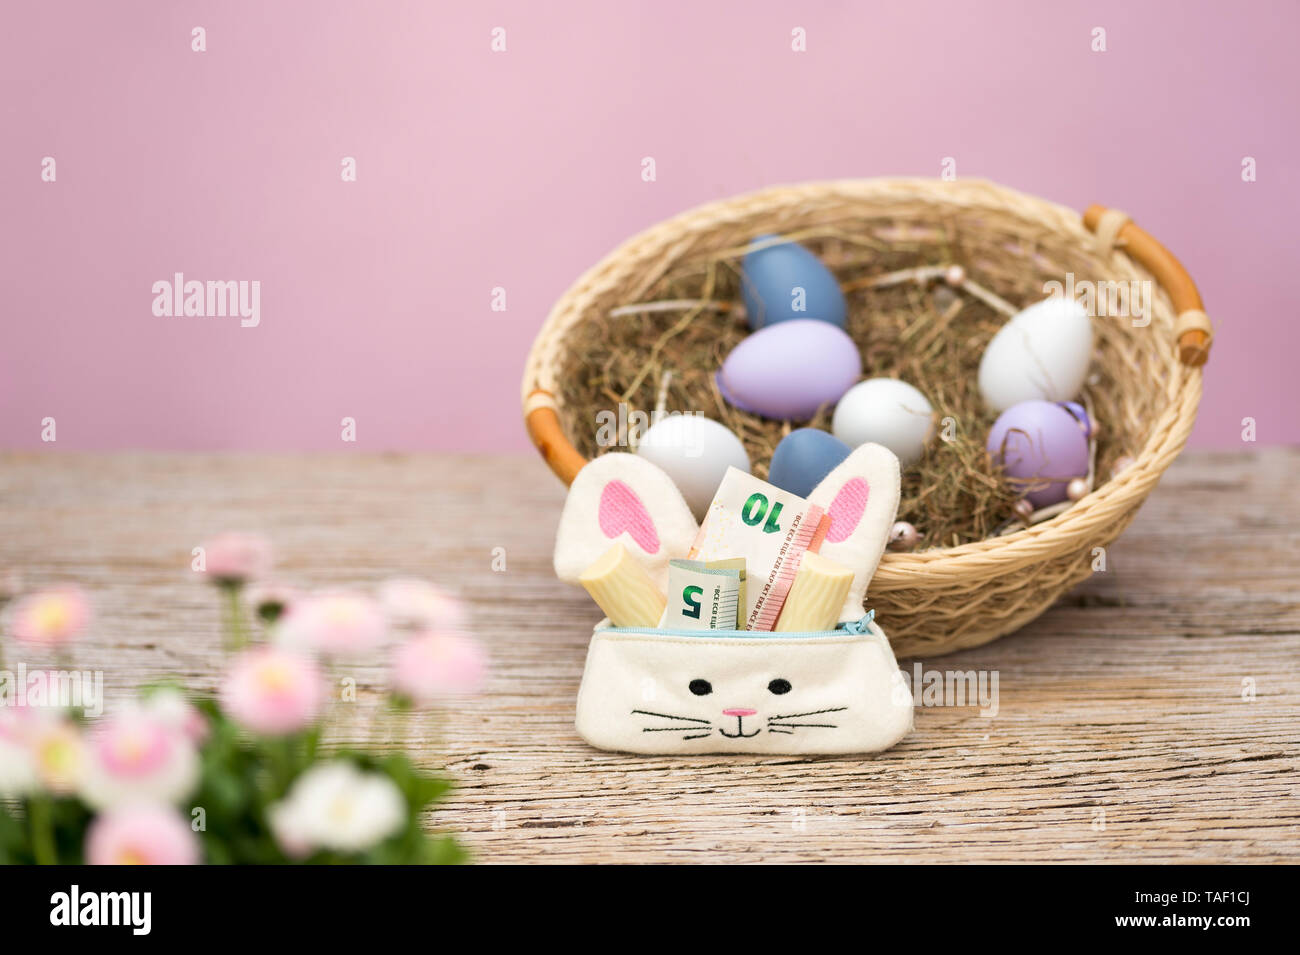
(853, 628)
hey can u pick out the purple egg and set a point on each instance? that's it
(1037, 441)
(1080, 414)
(789, 370)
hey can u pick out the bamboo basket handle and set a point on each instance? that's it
(543, 425)
(1193, 330)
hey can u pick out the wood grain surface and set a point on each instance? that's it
(1126, 730)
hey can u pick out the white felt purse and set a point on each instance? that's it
(735, 691)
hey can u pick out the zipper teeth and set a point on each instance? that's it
(755, 634)
(852, 628)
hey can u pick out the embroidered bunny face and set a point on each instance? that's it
(648, 693)
(730, 722)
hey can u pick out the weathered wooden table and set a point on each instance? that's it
(1151, 716)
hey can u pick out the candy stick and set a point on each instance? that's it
(816, 596)
(622, 588)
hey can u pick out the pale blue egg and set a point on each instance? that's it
(803, 458)
(785, 281)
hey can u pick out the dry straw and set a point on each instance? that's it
(650, 324)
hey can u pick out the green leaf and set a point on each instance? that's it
(428, 789)
(443, 850)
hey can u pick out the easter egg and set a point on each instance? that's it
(789, 370)
(1042, 352)
(803, 458)
(784, 281)
(1036, 442)
(885, 411)
(695, 452)
(1080, 414)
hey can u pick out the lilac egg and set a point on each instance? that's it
(1080, 414)
(1036, 441)
(789, 370)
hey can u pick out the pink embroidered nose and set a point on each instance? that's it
(739, 712)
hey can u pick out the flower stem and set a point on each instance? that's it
(236, 632)
(38, 817)
(281, 752)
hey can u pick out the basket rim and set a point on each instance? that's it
(1088, 518)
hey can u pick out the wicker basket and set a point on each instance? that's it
(946, 599)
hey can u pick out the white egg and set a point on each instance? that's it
(695, 452)
(1042, 352)
(885, 411)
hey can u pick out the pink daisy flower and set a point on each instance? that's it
(409, 601)
(17, 766)
(50, 618)
(333, 624)
(273, 691)
(236, 558)
(432, 665)
(169, 706)
(135, 758)
(141, 835)
(59, 753)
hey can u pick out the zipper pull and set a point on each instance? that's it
(860, 626)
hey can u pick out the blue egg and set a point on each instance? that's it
(803, 458)
(785, 281)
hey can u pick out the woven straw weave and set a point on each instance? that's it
(944, 599)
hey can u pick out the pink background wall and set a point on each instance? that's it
(521, 169)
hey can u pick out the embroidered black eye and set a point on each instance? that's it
(701, 687)
(779, 686)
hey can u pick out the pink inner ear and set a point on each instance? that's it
(847, 509)
(621, 510)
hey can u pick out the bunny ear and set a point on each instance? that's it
(861, 498)
(623, 498)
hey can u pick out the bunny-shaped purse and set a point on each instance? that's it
(648, 690)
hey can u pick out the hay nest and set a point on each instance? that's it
(928, 333)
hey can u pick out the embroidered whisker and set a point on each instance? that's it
(673, 729)
(791, 716)
(825, 726)
(670, 716)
